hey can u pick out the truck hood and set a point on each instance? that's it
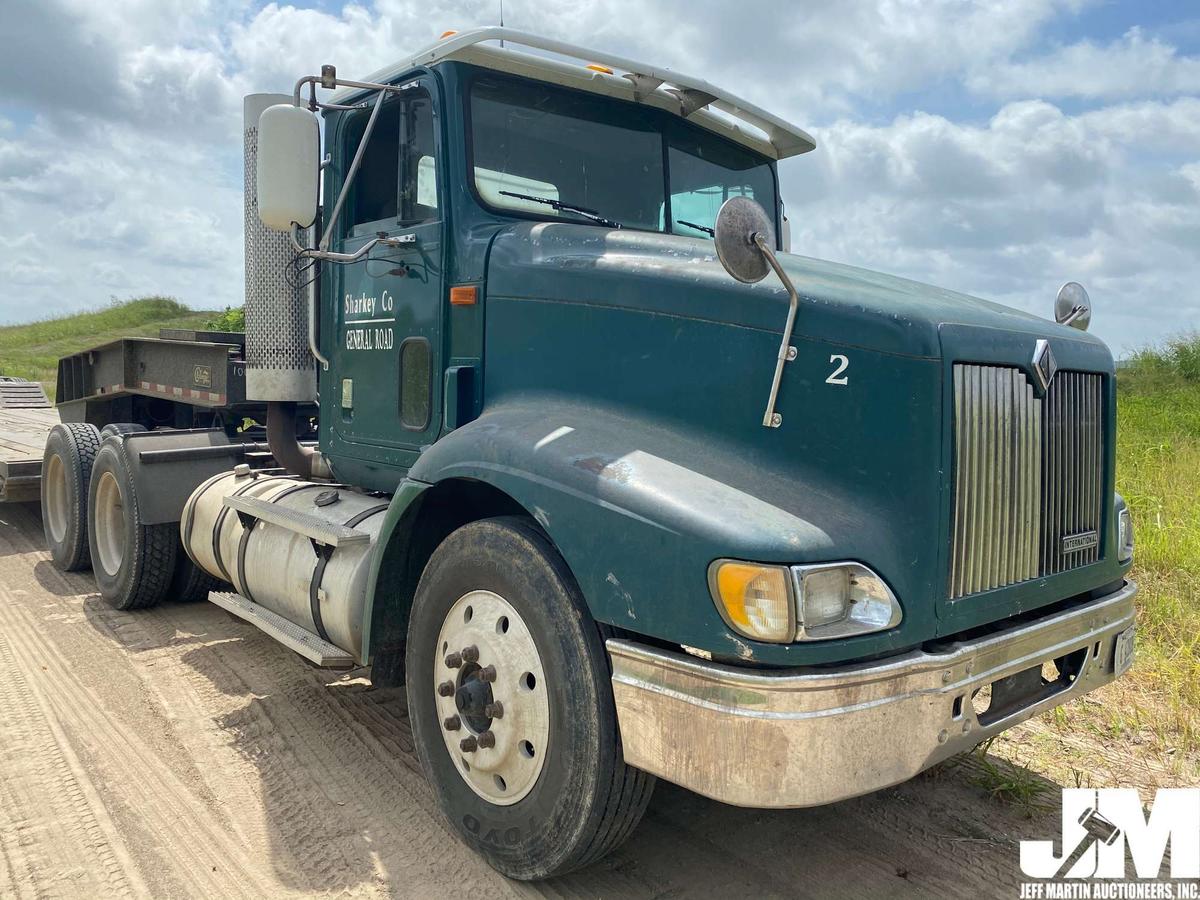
(681, 276)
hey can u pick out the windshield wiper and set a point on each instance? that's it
(709, 231)
(566, 207)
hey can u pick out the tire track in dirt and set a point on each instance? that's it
(81, 852)
(199, 846)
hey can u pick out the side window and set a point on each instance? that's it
(415, 383)
(397, 178)
(418, 182)
(373, 194)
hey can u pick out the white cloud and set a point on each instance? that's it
(1011, 208)
(1134, 66)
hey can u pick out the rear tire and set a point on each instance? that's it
(580, 800)
(133, 562)
(66, 471)
(190, 583)
(121, 428)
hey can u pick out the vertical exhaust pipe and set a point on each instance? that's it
(280, 368)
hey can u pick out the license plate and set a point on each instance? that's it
(1123, 656)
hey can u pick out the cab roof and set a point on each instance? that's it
(603, 73)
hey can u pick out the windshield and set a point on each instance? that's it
(563, 154)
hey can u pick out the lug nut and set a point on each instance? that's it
(446, 689)
(453, 723)
(494, 710)
(468, 745)
(488, 673)
(487, 740)
(454, 660)
(470, 654)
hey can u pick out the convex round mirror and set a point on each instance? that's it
(738, 221)
(1072, 306)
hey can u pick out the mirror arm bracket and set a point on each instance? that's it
(327, 256)
(772, 419)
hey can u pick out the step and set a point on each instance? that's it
(311, 646)
(320, 530)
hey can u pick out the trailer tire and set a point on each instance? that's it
(583, 800)
(133, 562)
(66, 472)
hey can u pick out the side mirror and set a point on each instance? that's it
(1072, 306)
(739, 222)
(745, 240)
(289, 167)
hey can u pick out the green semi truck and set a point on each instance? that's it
(560, 435)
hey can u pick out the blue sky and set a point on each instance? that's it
(994, 148)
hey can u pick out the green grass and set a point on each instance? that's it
(32, 351)
(1158, 473)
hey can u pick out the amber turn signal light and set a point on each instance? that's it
(463, 295)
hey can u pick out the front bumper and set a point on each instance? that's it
(805, 737)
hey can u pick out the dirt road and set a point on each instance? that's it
(179, 752)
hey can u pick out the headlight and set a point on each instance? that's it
(801, 603)
(842, 599)
(1124, 532)
(754, 600)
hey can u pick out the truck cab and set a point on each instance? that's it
(618, 486)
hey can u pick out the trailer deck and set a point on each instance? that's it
(26, 417)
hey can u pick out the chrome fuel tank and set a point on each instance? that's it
(317, 585)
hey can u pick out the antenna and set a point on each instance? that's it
(501, 19)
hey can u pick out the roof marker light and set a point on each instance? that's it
(603, 70)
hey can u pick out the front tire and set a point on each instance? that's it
(548, 792)
(133, 562)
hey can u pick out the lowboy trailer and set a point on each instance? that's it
(616, 485)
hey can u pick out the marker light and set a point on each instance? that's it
(1124, 532)
(603, 70)
(754, 600)
(463, 295)
(446, 34)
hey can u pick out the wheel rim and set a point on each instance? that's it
(483, 637)
(56, 497)
(109, 519)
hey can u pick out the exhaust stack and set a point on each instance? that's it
(279, 366)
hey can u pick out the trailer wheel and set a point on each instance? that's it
(66, 470)
(511, 704)
(133, 562)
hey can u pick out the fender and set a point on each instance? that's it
(167, 465)
(639, 511)
(392, 534)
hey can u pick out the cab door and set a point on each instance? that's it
(388, 313)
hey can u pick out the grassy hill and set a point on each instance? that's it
(32, 351)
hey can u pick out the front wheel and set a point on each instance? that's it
(511, 704)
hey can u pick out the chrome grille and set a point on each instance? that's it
(1072, 444)
(1027, 474)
